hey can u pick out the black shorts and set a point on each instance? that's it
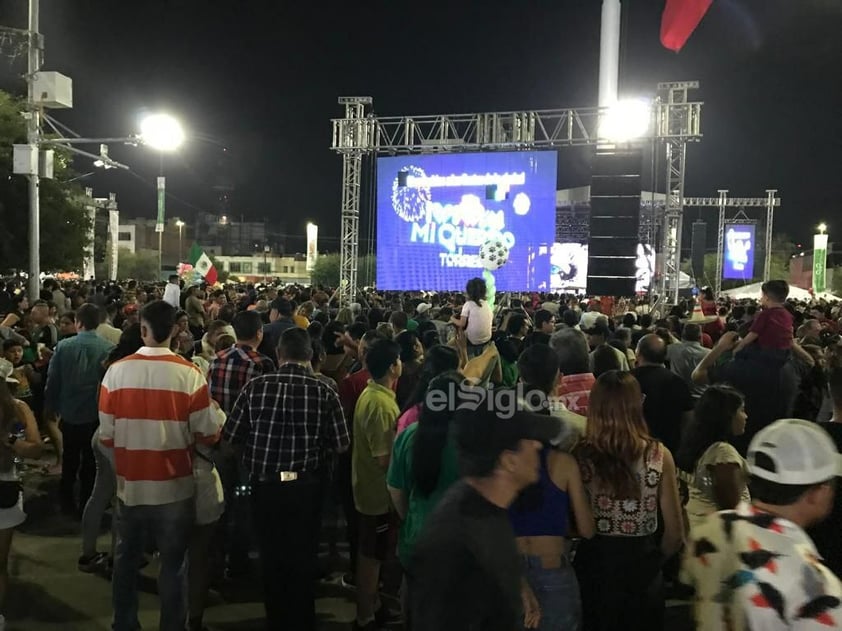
(378, 536)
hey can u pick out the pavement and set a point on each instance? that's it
(48, 593)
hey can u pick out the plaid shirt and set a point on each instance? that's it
(286, 420)
(231, 370)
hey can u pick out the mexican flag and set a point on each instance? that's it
(680, 19)
(202, 264)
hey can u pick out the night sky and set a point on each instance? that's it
(262, 78)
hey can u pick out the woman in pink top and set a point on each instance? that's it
(437, 360)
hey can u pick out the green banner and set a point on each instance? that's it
(819, 263)
(162, 194)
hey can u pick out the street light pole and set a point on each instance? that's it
(32, 138)
(265, 265)
(180, 225)
(159, 225)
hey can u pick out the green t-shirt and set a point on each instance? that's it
(375, 418)
(400, 477)
(510, 374)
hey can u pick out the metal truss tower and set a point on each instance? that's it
(352, 139)
(677, 121)
(722, 202)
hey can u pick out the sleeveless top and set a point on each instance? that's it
(550, 516)
(700, 482)
(627, 516)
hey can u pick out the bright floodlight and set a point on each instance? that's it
(626, 120)
(822, 228)
(161, 132)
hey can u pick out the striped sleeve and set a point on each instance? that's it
(205, 420)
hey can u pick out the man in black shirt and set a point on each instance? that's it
(668, 403)
(466, 573)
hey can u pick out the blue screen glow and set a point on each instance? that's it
(435, 211)
(739, 252)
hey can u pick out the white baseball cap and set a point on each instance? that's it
(797, 452)
(6, 371)
(423, 307)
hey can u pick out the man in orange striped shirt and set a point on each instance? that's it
(153, 407)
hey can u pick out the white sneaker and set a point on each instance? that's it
(2, 622)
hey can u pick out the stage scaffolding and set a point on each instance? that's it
(360, 134)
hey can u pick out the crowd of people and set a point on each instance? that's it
(549, 462)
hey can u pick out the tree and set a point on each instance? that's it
(782, 250)
(142, 265)
(326, 270)
(836, 281)
(64, 222)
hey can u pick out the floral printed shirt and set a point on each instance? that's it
(756, 572)
(627, 516)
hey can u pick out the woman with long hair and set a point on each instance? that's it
(543, 517)
(715, 474)
(14, 416)
(476, 317)
(423, 466)
(438, 360)
(20, 305)
(412, 358)
(630, 478)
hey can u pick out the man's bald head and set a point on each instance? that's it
(651, 349)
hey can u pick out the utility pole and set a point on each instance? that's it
(33, 138)
(609, 52)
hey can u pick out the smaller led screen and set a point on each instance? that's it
(739, 252)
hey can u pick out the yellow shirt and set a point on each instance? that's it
(300, 321)
(375, 418)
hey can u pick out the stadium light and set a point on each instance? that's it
(161, 132)
(627, 120)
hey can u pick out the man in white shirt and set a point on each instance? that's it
(172, 292)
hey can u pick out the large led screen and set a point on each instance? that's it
(569, 267)
(435, 211)
(739, 252)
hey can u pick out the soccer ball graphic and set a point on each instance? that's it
(493, 254)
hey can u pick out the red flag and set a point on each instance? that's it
(680, 19)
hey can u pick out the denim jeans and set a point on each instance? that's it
(170, 526)
(557, 592)
(105, 484)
